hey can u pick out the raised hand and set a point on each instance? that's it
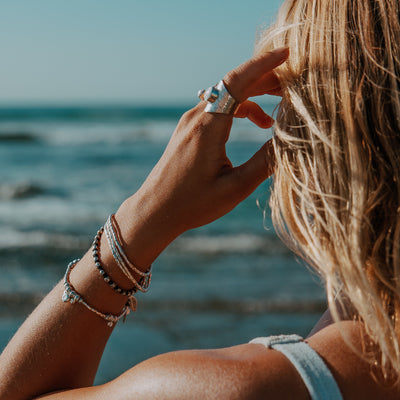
(194, 182)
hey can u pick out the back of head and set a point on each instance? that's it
(336, 197)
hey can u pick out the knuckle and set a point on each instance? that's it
(232, 83)
(187, 118)
(190, 115)
(231, 78)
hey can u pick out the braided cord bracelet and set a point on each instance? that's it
(70, 294)
(122, 260)
(123, 257)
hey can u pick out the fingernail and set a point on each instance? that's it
(281, 51)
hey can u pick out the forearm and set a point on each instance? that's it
(60, 345)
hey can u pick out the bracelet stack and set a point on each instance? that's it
(127, 267)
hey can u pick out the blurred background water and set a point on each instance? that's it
(63, 170)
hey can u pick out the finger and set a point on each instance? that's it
(254, 113)
(267, 84)
(239, 80)
(256, 170)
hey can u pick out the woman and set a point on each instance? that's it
(336, 200)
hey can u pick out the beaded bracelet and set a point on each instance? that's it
(107, 279)
(71, 295)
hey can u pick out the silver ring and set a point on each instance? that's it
(218, 99)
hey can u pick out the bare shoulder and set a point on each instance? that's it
(244, 372)
(351, 372)
(248, 371)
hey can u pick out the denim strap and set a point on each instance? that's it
(316, 376)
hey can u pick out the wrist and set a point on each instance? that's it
(145, 230)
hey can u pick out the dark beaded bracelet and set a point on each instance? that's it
(107, 279)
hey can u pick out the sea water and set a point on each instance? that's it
(63, 170)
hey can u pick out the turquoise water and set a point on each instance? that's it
(63, 170)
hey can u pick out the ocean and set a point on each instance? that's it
(63, 170)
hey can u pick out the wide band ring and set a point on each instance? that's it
(218, 99)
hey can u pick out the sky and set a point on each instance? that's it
(123, 51)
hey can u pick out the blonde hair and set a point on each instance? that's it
(336, 196)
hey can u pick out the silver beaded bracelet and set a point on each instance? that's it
(103, 273)
(71, 295)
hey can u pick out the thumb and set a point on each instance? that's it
(256, 170)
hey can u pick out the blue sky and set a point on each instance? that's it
(139, 51)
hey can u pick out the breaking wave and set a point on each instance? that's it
(9, 191)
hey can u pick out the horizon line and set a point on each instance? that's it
(57, 103)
